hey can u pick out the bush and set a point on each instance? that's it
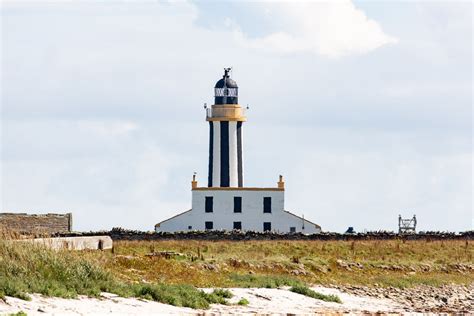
(243, 301)
(304, 290)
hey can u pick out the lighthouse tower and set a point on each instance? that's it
(225, 203)
(225, 119)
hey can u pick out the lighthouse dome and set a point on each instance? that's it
(226, 90)
(226, 82)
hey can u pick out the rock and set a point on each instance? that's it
(210, 267)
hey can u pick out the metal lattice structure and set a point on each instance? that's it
(406, 225)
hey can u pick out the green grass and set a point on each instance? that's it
(179, 295)
(20, 313)
(263, 281)
(130, 271)
(223, 293)
(27, 268)
(243, 301)
(304, 290)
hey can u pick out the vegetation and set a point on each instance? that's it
(180, 295)
(20, 313)
(304, 290)
(27, 268)
(263, 281)
(243, 301)
(172, 271)
(287, 263)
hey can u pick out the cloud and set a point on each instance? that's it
(332, 29)
(102, 110)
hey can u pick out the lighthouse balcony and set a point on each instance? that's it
(227, 112)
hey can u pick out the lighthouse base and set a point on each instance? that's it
(246, 209)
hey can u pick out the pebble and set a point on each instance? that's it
(423, 299)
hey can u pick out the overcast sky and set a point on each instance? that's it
(364, 107)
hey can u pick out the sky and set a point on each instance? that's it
(365, 108)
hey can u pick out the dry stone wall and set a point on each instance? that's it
(124, 234)
(37, 223)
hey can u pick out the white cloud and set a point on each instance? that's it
(332, 29)
(102, 112)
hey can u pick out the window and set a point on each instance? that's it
(237, 204)
(209, 225)
(292, 229)
(209, 204)
(267, 226)
(238, 225)
(190, 227)
(267, 204)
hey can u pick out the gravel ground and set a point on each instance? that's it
(443, 299)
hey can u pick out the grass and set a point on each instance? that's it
(276, 263)
(263, 281)
(27, 268)
(136, 268)
(243, 302)
(181, 295)
(304, 290)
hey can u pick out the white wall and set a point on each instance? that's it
(223, 216)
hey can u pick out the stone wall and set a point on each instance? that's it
(37, 223)
(124, 234)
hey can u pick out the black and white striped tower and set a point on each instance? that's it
(225, 119)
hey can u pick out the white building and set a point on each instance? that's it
(226, 203)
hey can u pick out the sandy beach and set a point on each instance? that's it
(261, 301)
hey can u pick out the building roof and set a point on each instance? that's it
(303, 219)
(158, 225)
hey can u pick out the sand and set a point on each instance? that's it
(261, 301)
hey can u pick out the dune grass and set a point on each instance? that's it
(28, 268)
(138, 269)
(304, 290)
(263, 281)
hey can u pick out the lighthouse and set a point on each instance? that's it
(226, 203)
(225, 118)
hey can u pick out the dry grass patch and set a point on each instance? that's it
(213, 263)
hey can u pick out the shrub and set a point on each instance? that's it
(304, 290)
(243, 301)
